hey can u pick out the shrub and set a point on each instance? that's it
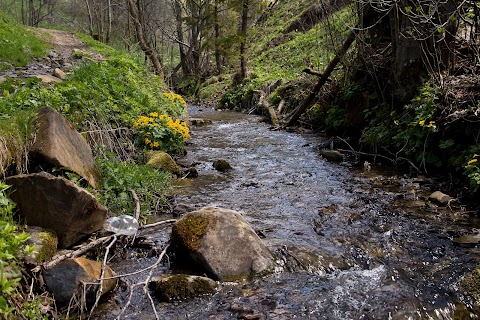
(11, 247)
(120, 178)
(161, 132)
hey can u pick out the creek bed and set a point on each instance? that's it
(350, 244)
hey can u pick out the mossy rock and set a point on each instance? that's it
(45, 243)
(471, 285)
(163, 161)
(190, 230)
(222, 165)
(182, 287)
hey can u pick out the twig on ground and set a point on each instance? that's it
(137, 204)
(89, 246)
(102, 274)
(145, 286)
(156, 224)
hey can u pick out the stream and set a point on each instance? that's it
(349, 244)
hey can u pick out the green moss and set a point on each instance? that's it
(163, 161)
(182, 287)
(471, 284)
(49, 246)
(190, 230)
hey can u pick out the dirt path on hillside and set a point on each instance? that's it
(60, 57)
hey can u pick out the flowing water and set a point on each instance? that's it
(349, 244)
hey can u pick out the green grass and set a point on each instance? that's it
(18, 44)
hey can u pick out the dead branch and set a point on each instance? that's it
(89, 246)
(156, 224)
(137, 204)
(145, 286)
(102, 274)
(322, 80)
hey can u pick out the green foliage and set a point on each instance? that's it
(11, 247)
(18, 44)
(287, 59)
(119, 178)
(115, 91)
(472, 169)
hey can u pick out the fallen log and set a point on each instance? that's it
(322, 80)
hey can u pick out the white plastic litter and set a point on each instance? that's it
(122, 225)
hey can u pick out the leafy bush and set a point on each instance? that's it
(120, 178)
(11, 247)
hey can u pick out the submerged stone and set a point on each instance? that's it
(182, 287)
(222, 165)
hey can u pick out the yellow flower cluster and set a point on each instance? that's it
(154, 126)
(178, 127)
(175, 97)
(473, 162)
(429, 125)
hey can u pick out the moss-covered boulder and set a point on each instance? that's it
(470, 285)
(182, 287)
(222, 165)
(163, 161)
(221, 243)
(45, 243)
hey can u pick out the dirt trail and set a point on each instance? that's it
(63, 44)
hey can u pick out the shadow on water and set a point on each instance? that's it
(350, 245)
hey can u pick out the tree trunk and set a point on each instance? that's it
(243, 34)
(218, 61)
(149, 52)
(177, 8)
(90, 17)
(109, 22)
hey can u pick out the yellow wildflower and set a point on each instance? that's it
(431, 124)
(147, 141)
(472, 161)
(155, 144)
(421, 123)
(153, 114)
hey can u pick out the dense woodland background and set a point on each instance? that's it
(394, 82)
(400, 76)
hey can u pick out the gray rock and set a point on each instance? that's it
(65, 280)
(46, 78)
(57, 204)
(222, 242)
(199, 122)
(59, 73)
(222, 165)
(331, 155)
(59, 144)
(440, 198)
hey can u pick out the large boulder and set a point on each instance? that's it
(222, 165)
(58, 143)
(163, 161)
(222, 243)
(57, 204)
(77, 277)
